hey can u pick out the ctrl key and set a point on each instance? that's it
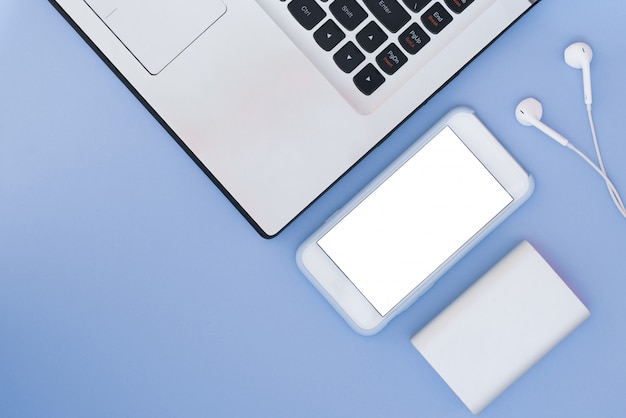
(307, 12)
(368, 79)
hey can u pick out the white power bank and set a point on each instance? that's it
(500, 327)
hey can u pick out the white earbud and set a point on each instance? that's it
(579, 55)
(529, 111)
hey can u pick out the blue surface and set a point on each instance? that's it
(130, 287)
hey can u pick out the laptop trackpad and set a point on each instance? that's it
(157, 31)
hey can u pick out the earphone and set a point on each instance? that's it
(579, 55)
(529, 112)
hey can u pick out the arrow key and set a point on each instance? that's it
(371, 37)
(348, 57)
(368, 79)
(328, 35)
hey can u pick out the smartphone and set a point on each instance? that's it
(396, 237)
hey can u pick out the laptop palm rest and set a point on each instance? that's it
(156, 32)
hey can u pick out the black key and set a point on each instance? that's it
(389, 12)
(371, 37)
(348, 13)
(307, 12)
(391, 59)
(436, 18)
(348, 57)
(416, 5)
(328, 35)
(457, 6)
(368, 79)
(413, 39)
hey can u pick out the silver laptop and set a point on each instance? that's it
(277, 99)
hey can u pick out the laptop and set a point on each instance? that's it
(276, 99)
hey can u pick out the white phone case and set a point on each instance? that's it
(342, 293)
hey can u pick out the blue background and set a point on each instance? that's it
(131, 287)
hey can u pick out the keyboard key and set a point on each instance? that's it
(416, 5)
(348, 13)
(328, 35)
(368, 79)
(389, 12)
(413, 39)
(391, 59)
(457, 6)
(348, 57)
(307, 12)
(371, 37)
(436, 18)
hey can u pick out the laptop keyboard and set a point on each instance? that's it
(371, 41)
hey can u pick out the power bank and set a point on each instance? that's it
(500, 327)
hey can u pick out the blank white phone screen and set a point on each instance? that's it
(412, 223)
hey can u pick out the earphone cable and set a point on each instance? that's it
(612, 189)
(616, 197)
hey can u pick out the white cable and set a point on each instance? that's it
(615, 196)
(612, 190)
